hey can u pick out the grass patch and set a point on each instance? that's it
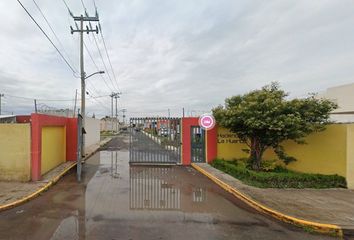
(107, 133)
(279, 177)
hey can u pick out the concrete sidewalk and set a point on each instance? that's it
(327, 206)
(10, 192)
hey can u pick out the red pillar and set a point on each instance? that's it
(36, 145)
(71, 139)
(211, 141)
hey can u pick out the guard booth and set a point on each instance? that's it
(164, 140)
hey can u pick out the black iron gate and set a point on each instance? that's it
(155, 140)
(197, 144)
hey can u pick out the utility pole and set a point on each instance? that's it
(116, 96)
(112, 96)
(75, 103)
(83, 19)
(1, 95)
(35, 105)
(182, 112)
(124, 110)
(117, 123)
(169, 113)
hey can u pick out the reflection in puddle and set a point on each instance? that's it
(150, 188)
(157, 188)
(114, 164)
(118, 201)
(67, 229)
(199, 194)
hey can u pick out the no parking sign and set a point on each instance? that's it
(206, 121)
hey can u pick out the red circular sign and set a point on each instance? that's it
(206, 121)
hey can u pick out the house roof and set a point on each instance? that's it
(7, 116)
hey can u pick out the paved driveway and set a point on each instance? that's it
(116, 201)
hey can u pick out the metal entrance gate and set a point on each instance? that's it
(197, 144)
(155, 140)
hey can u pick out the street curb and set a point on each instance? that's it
(38, 192)
(317, 227)
(49, 184)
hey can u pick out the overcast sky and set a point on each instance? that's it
(172, 54)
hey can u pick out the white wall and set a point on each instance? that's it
(108, 124)
(92, 136)
(344, 96)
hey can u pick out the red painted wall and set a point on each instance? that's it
(71, 139)
(211, 141)
(186, 139)
(23, 118)
(37, 122)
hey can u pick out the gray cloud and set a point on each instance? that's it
(174, 54)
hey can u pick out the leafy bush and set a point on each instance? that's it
(279, 177)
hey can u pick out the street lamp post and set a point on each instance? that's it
(83, 106)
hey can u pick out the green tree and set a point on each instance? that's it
(264, 118)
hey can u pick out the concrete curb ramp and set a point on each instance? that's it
(318, 227)
(49, 184)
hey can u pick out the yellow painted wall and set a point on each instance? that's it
(15, 152)
(229, 146)
(350, 156)
(325, 152)
(53, 147)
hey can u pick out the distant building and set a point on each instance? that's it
(57, 112)
(7, 119)
(343, 95)
(108, 124)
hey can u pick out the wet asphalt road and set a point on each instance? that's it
(116, 201)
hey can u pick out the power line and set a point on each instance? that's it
(51, 100)
(48, 100)
(94, 63)
(83, 4)
(94, 4)
(104, 64)
(109, 59)
(99, 51)
(52, 30)
(104, 106)
(45, 34)
(87, 49)
(66, 5)
(105, 47)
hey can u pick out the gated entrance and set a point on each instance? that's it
(155, 140)
(197, 144)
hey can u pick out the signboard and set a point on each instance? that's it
(206, 121)
(228, 138)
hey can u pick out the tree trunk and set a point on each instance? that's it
(257, 151)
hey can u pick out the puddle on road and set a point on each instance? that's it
(118, 201)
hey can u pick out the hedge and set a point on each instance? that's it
(279, 178)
